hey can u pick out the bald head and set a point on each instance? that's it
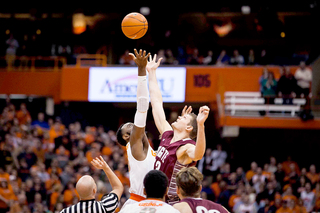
(86, 187)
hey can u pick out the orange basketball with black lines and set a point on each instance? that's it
(134, 25)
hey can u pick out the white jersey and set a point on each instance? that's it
(149, 205)
(139, 169)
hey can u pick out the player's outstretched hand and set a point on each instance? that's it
(203, 114)
(186, 110)
(99, 163)
(141, 59)
(152, 64)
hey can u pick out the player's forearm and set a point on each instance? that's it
(142, 71)
(155, 93)
(113, 179)
(200, 143)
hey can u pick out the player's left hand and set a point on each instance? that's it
(141, 59)
(152, 64)
(203, 114)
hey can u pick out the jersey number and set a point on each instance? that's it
(158, 165)
(201, 209)
(148, 210)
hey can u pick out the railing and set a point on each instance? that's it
(32, 63)
(242, 102)
(91, 60)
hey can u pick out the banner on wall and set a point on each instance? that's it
(119, 84)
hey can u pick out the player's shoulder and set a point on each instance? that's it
(167, 134)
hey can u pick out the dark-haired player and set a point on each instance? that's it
(156, 186)
(141, 156)
(188, 189)
(177, 147)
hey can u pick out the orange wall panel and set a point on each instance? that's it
(31, 83)
(201, 84)
(74, 83)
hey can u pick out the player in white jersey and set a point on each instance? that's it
(155, 187)
(141, 156)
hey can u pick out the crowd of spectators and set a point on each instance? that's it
(42, 159)
(192, 56)
(288, 86)
(34, 46)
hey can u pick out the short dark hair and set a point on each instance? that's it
(189, 180)
(194, 124)
(155, 183)
(119, 135)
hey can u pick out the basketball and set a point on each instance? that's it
(134, 25)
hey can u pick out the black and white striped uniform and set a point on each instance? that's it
(108, 204)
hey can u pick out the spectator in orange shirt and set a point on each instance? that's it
(93, 152)
(38, 150)
(55, 132)
(297, 207)
(292, 177)
(121, 174)
(54, 168)
(286, 166)
(266, 171)
(23, 115)
(215, 186)
(69, 193)
(4, 175)
(57, 189)
(6, 196)
(288, 194)
(52, 181)
(312, 174)
(316, 192)
(235, 198)
(252, 172)
(284, 208)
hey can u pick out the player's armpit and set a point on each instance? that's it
(185, 154)
(191, 152)
(160, 117)
(136, 142)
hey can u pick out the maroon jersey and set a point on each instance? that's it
(166, 161)
(199, 205)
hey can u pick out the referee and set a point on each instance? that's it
(87, 188)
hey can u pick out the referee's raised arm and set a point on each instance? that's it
(117, 187)
(87, 188)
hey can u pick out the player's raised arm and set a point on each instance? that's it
(156, 97)
(137, 143)
(196, 152)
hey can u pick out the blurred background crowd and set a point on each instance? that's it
(42, 158)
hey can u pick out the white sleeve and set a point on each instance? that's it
(142, 102)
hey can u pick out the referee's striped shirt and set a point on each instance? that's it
(108, 204)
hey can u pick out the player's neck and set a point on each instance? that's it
(185, 197)
(177, 135)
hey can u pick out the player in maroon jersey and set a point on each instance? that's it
(188, 189)
(177, 147)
